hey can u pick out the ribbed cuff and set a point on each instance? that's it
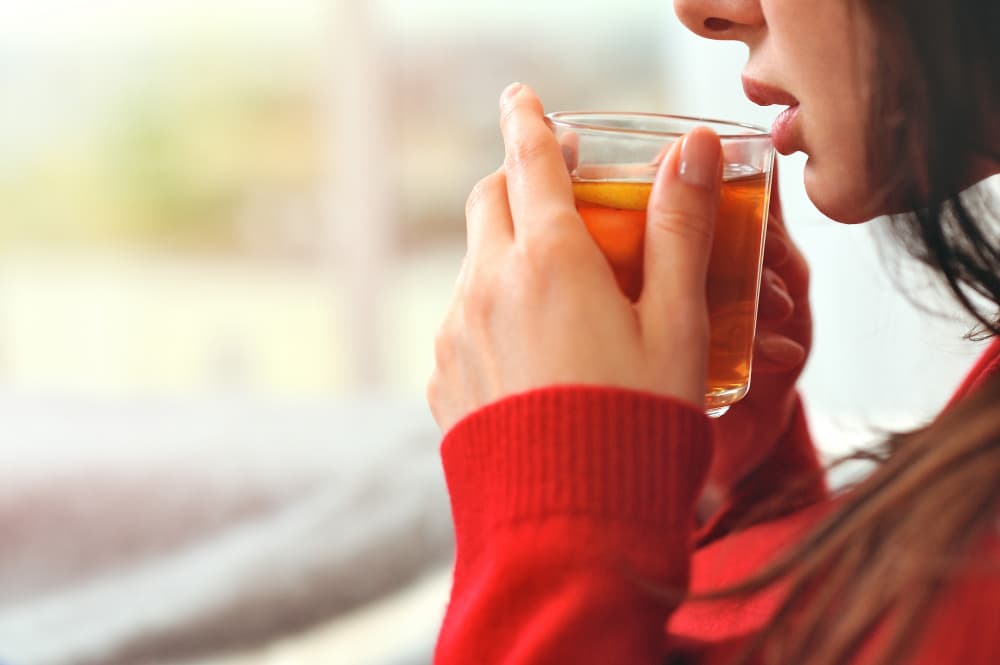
(578, 450)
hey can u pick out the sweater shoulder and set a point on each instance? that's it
(735, 558)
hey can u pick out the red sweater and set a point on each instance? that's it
(569, 502)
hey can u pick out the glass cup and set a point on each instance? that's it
(613, 159)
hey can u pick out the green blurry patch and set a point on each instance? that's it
(176, 161)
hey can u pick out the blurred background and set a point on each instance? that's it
(228, 233)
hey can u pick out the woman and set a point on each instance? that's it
(600, 517)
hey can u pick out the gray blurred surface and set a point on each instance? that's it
(190, 527)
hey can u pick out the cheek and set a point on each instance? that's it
(833, 75)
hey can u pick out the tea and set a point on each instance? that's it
(615, 214)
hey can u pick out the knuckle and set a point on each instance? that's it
(686, 225)
(543, 253)
(444, 348)
(559, 250)
(477, 308)
(480, 192)
(525, 149)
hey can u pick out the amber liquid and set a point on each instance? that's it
(615, 215)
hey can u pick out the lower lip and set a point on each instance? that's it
(783, 131)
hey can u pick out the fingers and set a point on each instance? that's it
(776, 304)
(679, 229)
(774, 350)
(776, 216)
(776, 353)
(487, 215)
(777, 244)
(780, 251)
(784, 293)
(784, 259)
(776, 248)
(777, 233)
(538, 183)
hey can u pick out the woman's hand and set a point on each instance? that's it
(749, 432)
(536, 302)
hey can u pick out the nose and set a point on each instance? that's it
(721, 19)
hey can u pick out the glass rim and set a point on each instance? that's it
(562, 119)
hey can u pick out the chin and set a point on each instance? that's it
(838, 199)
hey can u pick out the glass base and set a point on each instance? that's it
(717, 402)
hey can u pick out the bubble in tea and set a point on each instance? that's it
(614, 211)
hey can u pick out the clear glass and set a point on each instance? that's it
(613, 159)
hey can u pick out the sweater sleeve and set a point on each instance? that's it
(574, 519)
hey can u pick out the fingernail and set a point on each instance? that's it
(774, 282)
(780, 349)
(510, 92)
(700, 158)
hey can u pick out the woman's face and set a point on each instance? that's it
(812, 56)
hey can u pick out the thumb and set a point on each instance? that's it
(680, 223)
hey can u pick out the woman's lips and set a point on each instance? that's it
(783, 133)
(762, 94)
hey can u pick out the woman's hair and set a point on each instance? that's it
(933, 120)
(877, 563)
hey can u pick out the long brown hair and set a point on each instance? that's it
(877, 563)
(895, 540)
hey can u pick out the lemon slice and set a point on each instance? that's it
(619, 195)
